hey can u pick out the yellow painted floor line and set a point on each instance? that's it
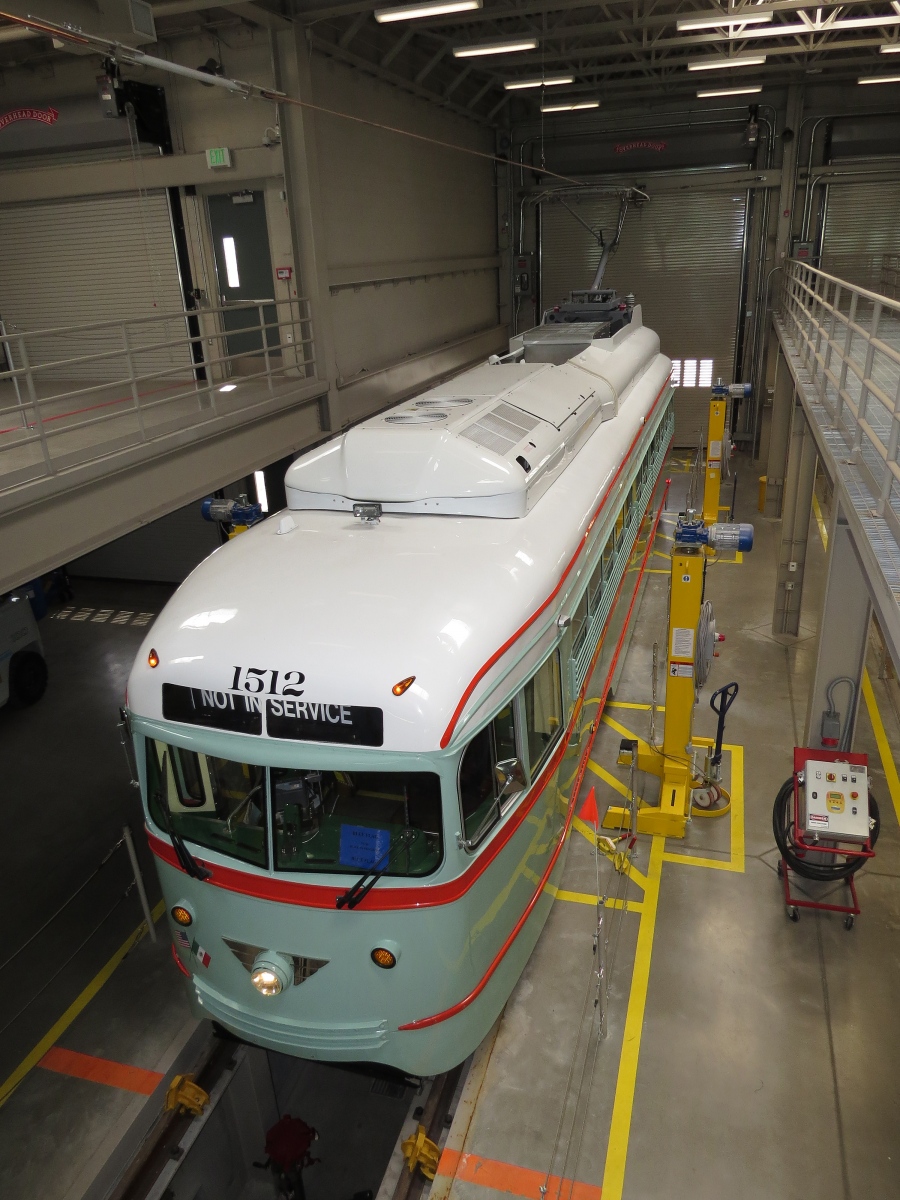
(614, 724)
(586, 898)
(633, 704)
(587, 831)
(887, 759)
(31, 1060)
(820, 521)
(614, 783)
(620, 1126)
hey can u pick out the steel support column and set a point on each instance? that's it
(843, 630)
(305, 207)
(798, 494)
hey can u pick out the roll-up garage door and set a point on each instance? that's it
(862, 224)
(96, 258)
(680, 255)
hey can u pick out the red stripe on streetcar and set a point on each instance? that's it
(498, 654)
(425, 1022)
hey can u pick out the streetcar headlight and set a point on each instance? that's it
(271, 973)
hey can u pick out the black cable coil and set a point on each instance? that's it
(783, 825)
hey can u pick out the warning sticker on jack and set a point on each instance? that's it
(817, 820)
(682, 642)
(681, 670)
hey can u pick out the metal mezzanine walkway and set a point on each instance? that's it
(842, 346)
(106, 426)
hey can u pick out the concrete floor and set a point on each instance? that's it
(761, 1057)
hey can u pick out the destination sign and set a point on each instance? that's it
(234, 711)
(307, 721)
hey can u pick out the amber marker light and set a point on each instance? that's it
(399, 688)
(382, 957)
(181, 916)
(153, 658)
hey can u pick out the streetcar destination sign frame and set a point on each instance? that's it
(285, 718)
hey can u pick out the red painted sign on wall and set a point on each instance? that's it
(641, 144)
(46, 116)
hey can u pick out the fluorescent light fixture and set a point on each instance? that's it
(227, 387)
(514, 85)
(820, 27)
(430, 8)
(744, 91)
(477, 49)
(718, 63)
(234, 280)
(570, 107)
(880, 79)
(891, 48)
(714, 21)
(262, 496)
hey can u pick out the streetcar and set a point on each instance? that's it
(356, 724)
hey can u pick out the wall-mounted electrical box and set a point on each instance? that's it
(523, 274)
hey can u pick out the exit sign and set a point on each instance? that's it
(218, 156)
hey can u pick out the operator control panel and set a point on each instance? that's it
(836, 801)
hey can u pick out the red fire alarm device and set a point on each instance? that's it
(284, 272)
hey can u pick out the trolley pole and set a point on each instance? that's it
(139, 881)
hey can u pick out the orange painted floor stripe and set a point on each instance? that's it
(101, 1070)
(515, 1181)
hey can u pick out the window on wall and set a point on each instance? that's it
(692, 372)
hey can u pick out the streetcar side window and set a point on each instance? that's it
(483, 795)
(210, 801)
(357, 821)
(580, 624)
(543, 712)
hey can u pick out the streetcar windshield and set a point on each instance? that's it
(353, 821)
(211, 801)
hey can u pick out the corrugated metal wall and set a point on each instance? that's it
(98, 258)
(681, 256)
(862, 223)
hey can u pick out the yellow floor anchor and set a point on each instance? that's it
(420, 1151)
(186, 1096)
(691, 647)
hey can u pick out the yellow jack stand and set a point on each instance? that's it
(714, 448)
(673, 764)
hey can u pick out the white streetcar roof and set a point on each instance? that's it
(357, 607)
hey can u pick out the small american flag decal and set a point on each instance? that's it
(183, 939)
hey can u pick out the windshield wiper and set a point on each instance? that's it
(189, 864)
(358, 892)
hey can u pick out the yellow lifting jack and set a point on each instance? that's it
(690, 648)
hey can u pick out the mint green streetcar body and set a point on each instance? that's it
(466, 893)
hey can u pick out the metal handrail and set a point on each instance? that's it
(208, 360)
(844, 339)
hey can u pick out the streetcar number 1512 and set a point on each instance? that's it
(256, 679)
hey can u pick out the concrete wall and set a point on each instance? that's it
(391, 238)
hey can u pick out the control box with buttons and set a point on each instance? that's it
(835, 801)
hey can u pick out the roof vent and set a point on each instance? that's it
(415, 418)
(501, 428)
(444, 402)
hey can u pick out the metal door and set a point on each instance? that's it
(244, 268)
(680, 254)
